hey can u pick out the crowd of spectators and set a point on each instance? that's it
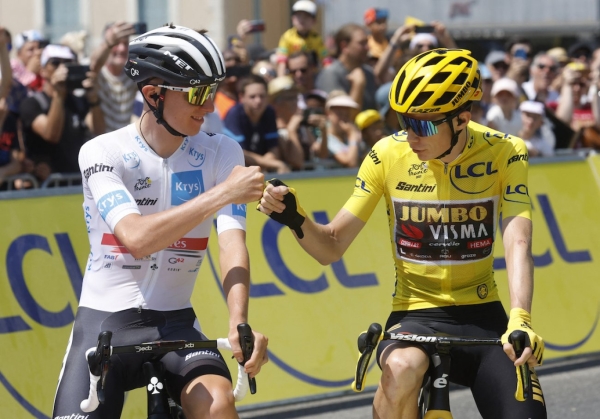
(313, 102)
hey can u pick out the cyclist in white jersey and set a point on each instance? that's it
(151, 190)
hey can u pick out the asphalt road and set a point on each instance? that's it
(570, 388)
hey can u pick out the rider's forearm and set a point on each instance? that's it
(519, 261)
(235, 274)
(328, 243)
(144, 235)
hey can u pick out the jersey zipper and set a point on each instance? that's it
(446, 283)
(155, 261)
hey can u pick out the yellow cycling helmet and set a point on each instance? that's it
(436, 81)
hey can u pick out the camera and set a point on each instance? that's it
(521, 53)
(257, 26)
(310, 111)
(76, 75)
(424, 29)
(140, 28)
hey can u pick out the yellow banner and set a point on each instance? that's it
(312, 314)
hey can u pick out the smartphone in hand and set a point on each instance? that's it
(257, 26)
(76, 74)
(424, 29)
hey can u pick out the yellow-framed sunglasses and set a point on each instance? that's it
(197, 95)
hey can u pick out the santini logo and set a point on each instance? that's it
(403, 186)
(98, 167)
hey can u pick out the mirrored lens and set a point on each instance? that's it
(418, 126)
(200, 94)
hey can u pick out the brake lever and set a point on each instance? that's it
(367, 342)
(247, 344)
(519, 341)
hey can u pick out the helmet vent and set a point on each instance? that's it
(422, 98)
(435, 60)
(461, 79)
(461, 60)
(411, 87)
(440, 77)
(445, 99)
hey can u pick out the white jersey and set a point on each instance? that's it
(122, 175)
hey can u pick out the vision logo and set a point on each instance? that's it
(110, 201)
(186, 186)
(131, 159)
(196, 156)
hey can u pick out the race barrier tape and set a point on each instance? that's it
(312, 314)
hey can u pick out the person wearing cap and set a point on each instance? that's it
(26, 65)
(56, 122)
(301, 36)
(350, 72)
(283, 97)
(344, 141)
(376, 20)
(574, 107)
(448, 184)
(536, 130)
(497, 64)
(503, 115)
(116, 91)
(370, 124)
(425, 41)
(253, 124)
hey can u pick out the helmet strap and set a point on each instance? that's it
(158, 112)
(455, 135)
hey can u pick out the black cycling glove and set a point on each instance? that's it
(293, 215)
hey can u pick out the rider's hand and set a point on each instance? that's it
(244, 184)
(283, 207)
(259, 355)
(534, 352)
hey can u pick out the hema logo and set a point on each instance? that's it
(186, 186)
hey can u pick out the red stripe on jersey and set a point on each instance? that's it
(186, 243)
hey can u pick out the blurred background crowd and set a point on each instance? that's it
(315, 101)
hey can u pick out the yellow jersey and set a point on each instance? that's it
(443, 216)
(291, 42)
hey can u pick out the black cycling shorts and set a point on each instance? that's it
(486, 370)
(131, 327)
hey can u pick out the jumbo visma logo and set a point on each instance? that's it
(25, 317)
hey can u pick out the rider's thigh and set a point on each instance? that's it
(208, 396)
(74, 380)
(498, 401)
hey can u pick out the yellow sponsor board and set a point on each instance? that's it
(312, 314)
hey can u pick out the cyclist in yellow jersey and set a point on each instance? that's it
(447, 182)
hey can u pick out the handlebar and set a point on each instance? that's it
(368, 341)
(98, 360)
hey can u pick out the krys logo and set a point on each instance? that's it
(131, 160)
(186, 186)
(196, 156)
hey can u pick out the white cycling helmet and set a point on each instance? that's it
(178, 55)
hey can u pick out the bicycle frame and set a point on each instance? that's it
(434, 399)
(160, 405)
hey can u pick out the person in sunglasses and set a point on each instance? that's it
(151, 192)
(445, 181)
